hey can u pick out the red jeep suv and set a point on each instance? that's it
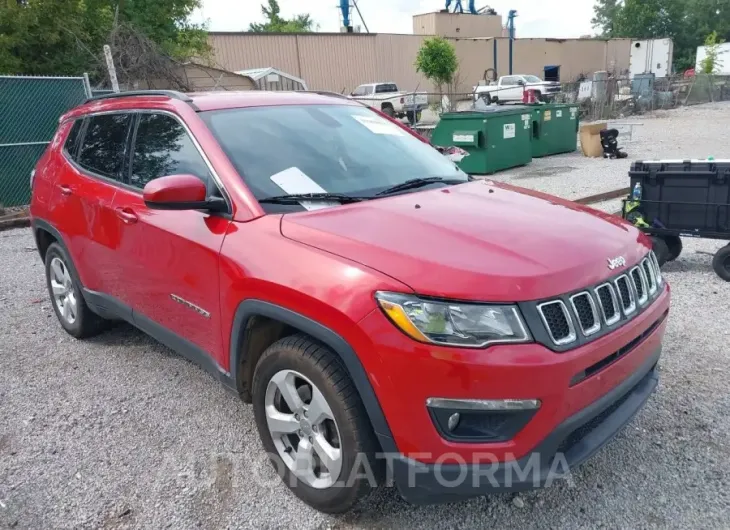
(390, 318)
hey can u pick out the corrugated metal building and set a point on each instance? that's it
(341, 61)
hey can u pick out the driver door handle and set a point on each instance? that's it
(65, 189)
(127, 215)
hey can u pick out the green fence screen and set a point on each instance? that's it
(29, 112)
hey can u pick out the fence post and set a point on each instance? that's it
(110, 67)
(87, 85)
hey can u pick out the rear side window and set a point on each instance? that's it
(74, 136)
(102, 150)
(380, 89)
(163, 147)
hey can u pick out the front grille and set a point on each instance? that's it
(608, 303)
(637, 277)
(585, 308)
(557, 320)
(579, 317)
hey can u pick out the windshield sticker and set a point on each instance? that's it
(294, 181)
(509, 130)
(380, 126)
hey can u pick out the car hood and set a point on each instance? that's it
(476, 241)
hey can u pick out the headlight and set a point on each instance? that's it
(453, 323)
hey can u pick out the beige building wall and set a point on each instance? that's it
(457, 25)
(341, 62)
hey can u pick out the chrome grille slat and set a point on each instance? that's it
(594, 324)
(640, 286)
(650, 275)
(615, 313)
(626, 295)
(548, 316)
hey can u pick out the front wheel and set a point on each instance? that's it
(721, 263)
(68, 301)
(314, 426)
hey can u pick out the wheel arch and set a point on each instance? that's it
(239, 352)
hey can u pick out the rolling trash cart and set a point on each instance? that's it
(671, 199)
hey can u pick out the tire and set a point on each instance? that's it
(539, 96)
(389, 111)
(675, 247)
(721, 263)
(67, 300)
(312, 371)
(495, 100)
(661, 249)
(413, 116)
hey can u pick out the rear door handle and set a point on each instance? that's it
(127, 215)
(65, 189)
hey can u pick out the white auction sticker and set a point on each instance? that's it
(378, 125)
(294, 181)
(509, 130)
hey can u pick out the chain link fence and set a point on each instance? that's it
(30, 107)
(616, 98)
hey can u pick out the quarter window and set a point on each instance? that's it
(103, 147)
(163, 147)
(74, 136)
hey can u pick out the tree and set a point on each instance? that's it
(437, 61)
(276, 24)
(605, 16)
(708, 65)
(65, 37)
(686, 22)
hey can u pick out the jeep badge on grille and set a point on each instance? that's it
(615, 263)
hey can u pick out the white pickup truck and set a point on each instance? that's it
(510, 88)
(387, 98)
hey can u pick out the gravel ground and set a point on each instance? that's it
(118, 432)
(686, 132)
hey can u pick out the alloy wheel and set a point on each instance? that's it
(303, 429)
(64, 295)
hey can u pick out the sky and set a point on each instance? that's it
(535, 18)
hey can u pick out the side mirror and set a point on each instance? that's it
(521, 82)
(179, 192)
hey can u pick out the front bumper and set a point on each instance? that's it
(567, 446)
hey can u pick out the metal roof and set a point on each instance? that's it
(258, 73)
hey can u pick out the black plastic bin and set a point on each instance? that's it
(689, 198)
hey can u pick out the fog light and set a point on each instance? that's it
(453, 421)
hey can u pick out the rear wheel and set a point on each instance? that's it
(675, 247)
(389, 110)
(721, 263)
(661, 249)
(68, 302)
(413, 116)
(313, 425)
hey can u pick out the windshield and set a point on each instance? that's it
(343, 149)
(532, 79)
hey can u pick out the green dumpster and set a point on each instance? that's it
(554, 129)
(496, 138)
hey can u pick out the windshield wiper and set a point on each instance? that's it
(299, 197)
(417, 183)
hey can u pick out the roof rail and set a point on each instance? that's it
(326, 93)
(173, 94)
